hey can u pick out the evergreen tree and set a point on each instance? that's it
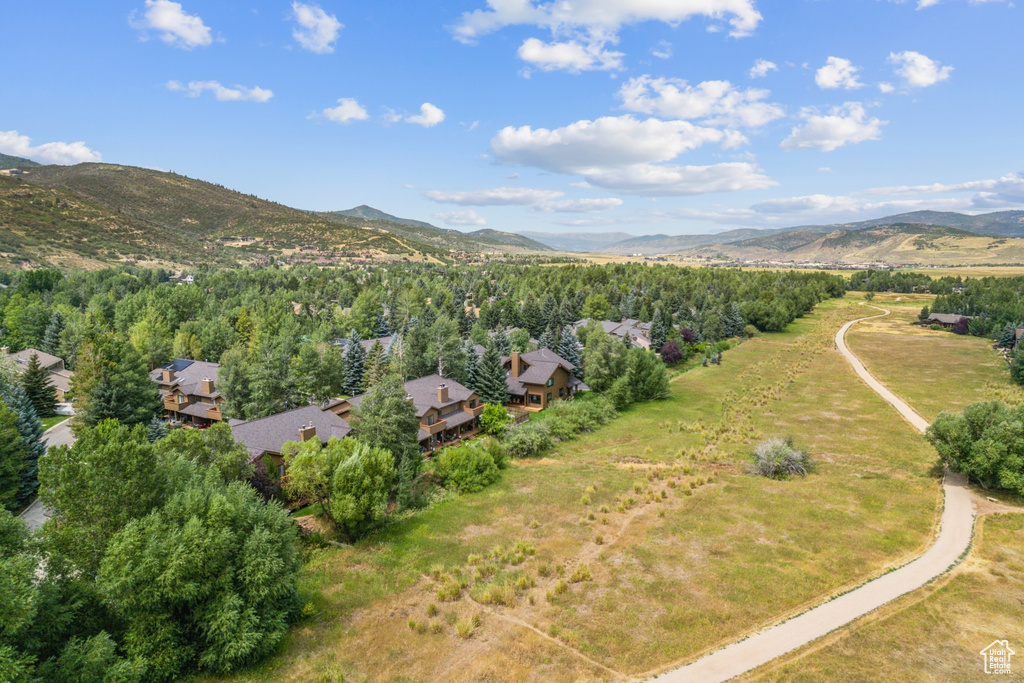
(233, 383)
(733, 321)
(51, 338)
(381, 327)
(385, 419)
(501, 342)
(36, 383)
(156, 429)
(533, 319)
(1008, 337)
(549, 313)
(491, 377)
(112, 382)
(472, 364)
(355, 365)
(547, 340)
(658, 333)
(627, 341)
(12, 457)
(31, 431)
(376, 365)
(567, 313)
(569, 349)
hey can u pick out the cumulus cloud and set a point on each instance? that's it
(762, 67)
(626, 154)
(571, 56)
(847, 124)
(175, 26)
(462, 218)
(917, 70)
(238, 93)
(48, 153)
(501, 196)
(837, 73)
(428, 117)
(348, 109)
(1007, 190)
(886, 88)
(719, 102)
(581, 205)
(315, 30)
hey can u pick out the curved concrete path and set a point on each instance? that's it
(953, 540)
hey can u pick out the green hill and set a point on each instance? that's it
(485, 240)
(7, 161)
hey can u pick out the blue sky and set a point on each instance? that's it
(650, 116)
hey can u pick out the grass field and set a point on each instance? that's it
(931, 370)
(53, 421)
(637, 546)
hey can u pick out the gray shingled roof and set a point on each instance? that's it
(269, 434)
(188, 375)
(424, 393)
(46, 360)
(946, 318)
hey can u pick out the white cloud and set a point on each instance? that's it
(843, 125)
(239, 93)
(581, 205)
(571, 56)
(48, 153)
(428, 117)
(625, 154)
(837, 73)
(175, 26)
(501, 196)
(999, 192)
(762, 67)
(663, 50)
(886, 88)
(315, 29)
(348, 109)
(718, 101)
(467, 217)
(602, 16)
(917, 70)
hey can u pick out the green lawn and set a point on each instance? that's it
(53, 421)
(684, 548)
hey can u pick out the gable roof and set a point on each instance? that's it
(188, 375)
(423, 392)
(46, 360)
(542, 365)
(269, 434)
(947, 318)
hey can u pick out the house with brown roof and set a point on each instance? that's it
(946, 320)
(59, 377)
(447, 410)
(639, 333)
(266, 436)
(188, 389)
(537, 378)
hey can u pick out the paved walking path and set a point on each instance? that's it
(953, 541)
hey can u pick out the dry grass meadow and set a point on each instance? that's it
(639, 546)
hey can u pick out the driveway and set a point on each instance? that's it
(953, 540)
(58, 435)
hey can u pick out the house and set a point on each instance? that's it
(189, 391)
(60, 378)
(447, 411)
(537, 378)
(366, 343)
(266, 436)
(947, 320)
(639, 332)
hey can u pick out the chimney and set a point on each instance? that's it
(442, 393)
(207, 385)
(307, 433)
(515, 364)
(168, 376)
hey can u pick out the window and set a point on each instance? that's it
(535, 398)
(551, 381)
(561, 392)
(181, 399)
(549, 397)
(280, 470)
(472, 404)
(431, 419)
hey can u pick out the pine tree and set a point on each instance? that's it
(569, 349)
(502, 343)
(472, 365)
(549, 313)
(51, 338)
(567, 313)
(657, 331)
(31, 431)
(491, 377)
(533, 319)
(627, 341)
(733, 321)
(376, 365)
(547, 340)
(156, 429)
(1008, 336)
(355, 364)
(381, 327)
(36, 383)
(12, 458)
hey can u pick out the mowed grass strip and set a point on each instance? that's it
(651, 542)
(933, 634)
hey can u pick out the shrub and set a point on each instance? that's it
(528, 440)
(468, 468)
(749, 331)
(582, 573)
(983, 443)
(495, 419)
(778, 459)
(670, 353)
(961, 326)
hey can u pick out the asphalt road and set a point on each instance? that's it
(59, 435)
(953, 540)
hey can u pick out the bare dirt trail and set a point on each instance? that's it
(951, 543)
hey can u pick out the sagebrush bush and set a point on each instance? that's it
(467, 468)
(778, 459)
